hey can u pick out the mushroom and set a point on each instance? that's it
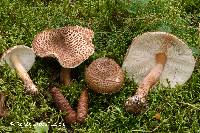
(104, 75)
(155, 56)
(21, 58)
(69, 45)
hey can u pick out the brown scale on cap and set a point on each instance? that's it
(104, 75)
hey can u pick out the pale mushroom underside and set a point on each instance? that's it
(140, 58)
(25, 54)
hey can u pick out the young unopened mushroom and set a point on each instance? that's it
(155, 56)
(69, 45)
(104, 75)
(21, 58)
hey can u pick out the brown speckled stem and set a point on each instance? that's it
(65, 76)
(3, 111)
(137, 103)
(82, 109)
(30, 87)
(63, 105)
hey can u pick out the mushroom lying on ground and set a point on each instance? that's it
(3, 111)
(21, 58)
(69, 45)
(104, 75)
(155, 56)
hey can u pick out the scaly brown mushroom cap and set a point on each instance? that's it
(70, 45)
(104, 75)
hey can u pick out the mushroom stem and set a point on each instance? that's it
(30, 87)
(65, 76)
(136, 103)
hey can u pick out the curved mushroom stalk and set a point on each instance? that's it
(30, 87)
(137, 103)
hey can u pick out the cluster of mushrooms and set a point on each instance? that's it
(152, 57)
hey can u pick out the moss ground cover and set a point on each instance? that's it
(115, 23)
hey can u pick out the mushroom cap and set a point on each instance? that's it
(25, 54)
(104, 75)
(69, 45)
(140, 58)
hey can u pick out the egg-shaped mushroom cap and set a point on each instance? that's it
(25, 55)
(70, 45)
(104, 75)
(140, 58)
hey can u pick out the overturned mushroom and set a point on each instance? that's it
(104, 75)
(155, 56)
(69, 45)
(21, 58)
